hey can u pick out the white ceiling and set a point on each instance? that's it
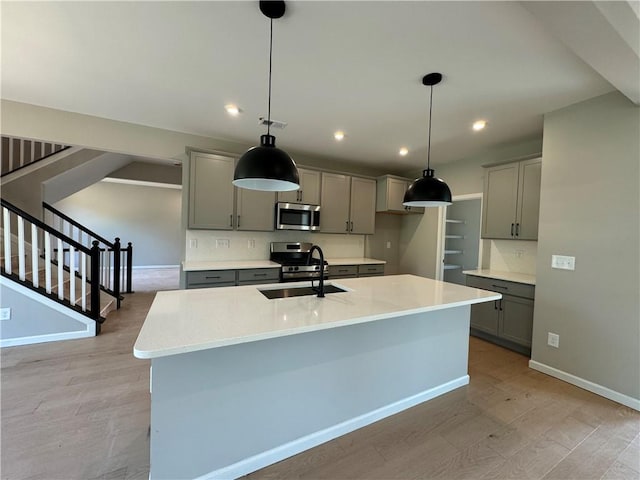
(355, 66)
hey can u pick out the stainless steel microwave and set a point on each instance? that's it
(296, 216)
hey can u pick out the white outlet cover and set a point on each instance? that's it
(553, 340)
(5, 313)
(563, 262)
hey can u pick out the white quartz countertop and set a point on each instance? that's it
(355, 261)
(507, 276)
(182, 321)
(192, 266)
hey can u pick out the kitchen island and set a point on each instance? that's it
(240, 381)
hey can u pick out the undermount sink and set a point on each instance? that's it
(298, 291)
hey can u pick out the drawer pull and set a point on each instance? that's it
(259, 274)
(500, 286)
(343, 271)
(211, 278)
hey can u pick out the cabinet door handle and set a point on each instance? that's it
(495, 304)
(352, 226)
(347, 222)
(238, 224)
(300, 195)
(231, 220)
(512, 225)
(500, 304)
(500, 286)
(517, 229)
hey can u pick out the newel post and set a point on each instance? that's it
(95, 281)
(116, 270)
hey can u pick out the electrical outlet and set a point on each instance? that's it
(193, 243)
(222, 243)
(563, 262)
(251, 243)
(388, 244)
(5, 313)
(553, 340)
(519, 253)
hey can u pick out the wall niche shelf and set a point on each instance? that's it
(461, 239)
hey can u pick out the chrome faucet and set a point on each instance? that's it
(321, 285)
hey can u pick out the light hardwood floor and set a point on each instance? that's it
(80, 410)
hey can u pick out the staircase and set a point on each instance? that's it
(64, 262)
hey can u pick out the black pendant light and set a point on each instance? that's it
(266, 167)
(428, 191)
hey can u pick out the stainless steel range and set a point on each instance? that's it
(296, 262)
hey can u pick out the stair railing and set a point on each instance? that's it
(117, 262)
(38, 241)
(17, 153)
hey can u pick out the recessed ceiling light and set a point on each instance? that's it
(403, 151)
(339, 135)
(232, 109)
(479, 125)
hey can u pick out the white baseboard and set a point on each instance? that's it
(52, 337)
(256, 462)
(587, 385)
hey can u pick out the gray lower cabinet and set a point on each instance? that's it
(368, 270)
(258, 275)
(232, 278)
(343, 271)
(355, 271)
(507, 322)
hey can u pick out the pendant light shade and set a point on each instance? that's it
(428, 191)
(267, 167)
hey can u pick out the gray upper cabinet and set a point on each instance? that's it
(334, 213)
(215, 204)
(348, 204)
(529, 199)
(390, 192)
(255, 210)
(309, 191)
(362, 213)
(211, 191)
(512, 200)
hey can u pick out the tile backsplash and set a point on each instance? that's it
(217, 245)
(517, 256)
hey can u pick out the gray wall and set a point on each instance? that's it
(150, 172)
(387, 230)
(418, 243)
(590, 209)
(31, 318)
(149, 217)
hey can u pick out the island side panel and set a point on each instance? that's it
(216, 408)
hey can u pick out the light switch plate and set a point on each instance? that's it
(553, 340)
(5, 313)
(563, 262)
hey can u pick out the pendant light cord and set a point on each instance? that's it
(270, 55)
(429, 142)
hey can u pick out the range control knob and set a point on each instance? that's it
(296, 269)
